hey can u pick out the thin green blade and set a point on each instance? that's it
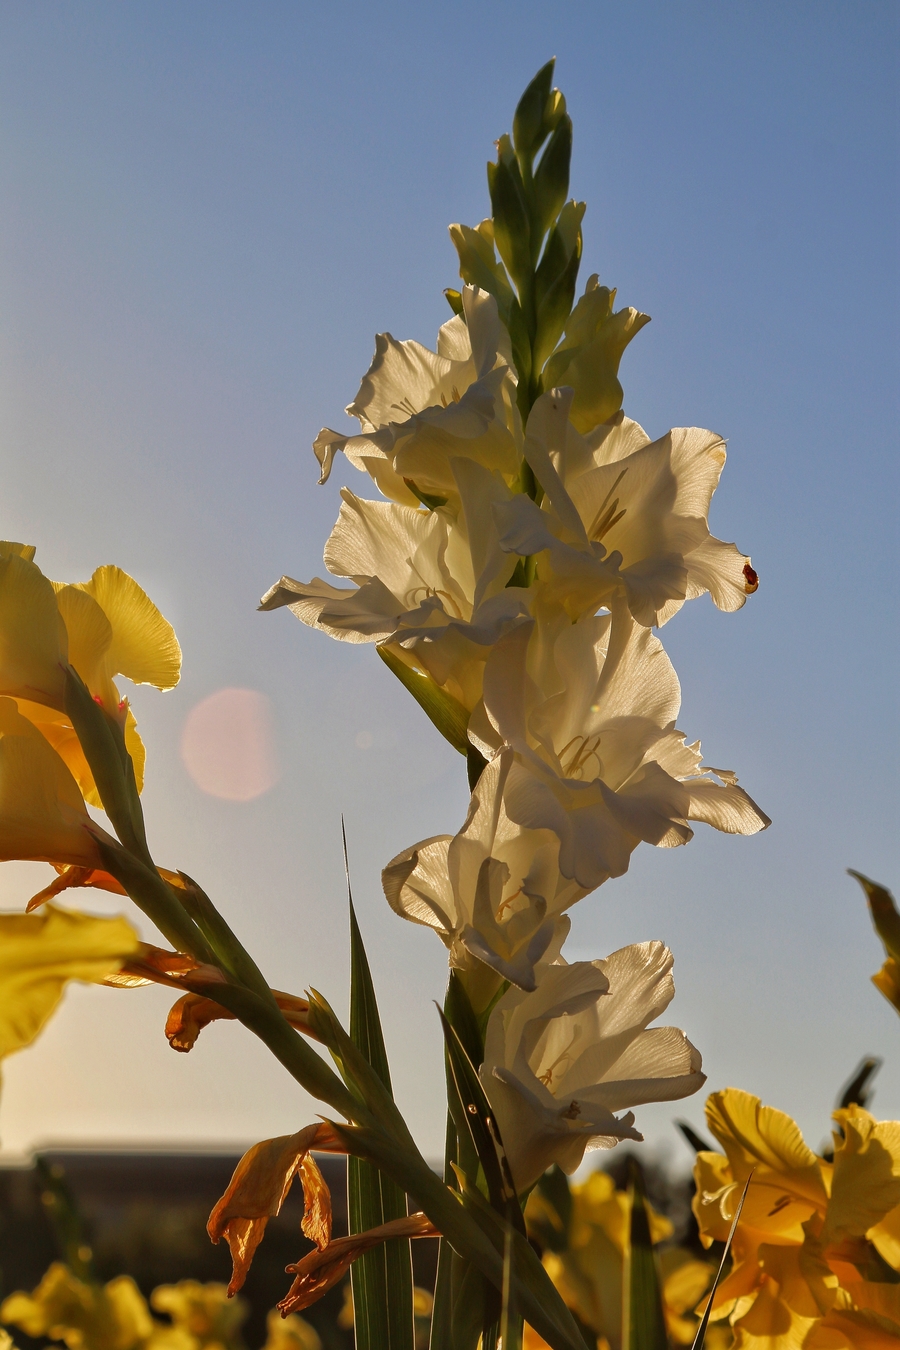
(642, 1307)
(381, 1279)
(700, 1337)
(474, 1113)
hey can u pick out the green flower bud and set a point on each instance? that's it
(530, 123)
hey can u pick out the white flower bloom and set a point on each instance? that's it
(589, 708)
(623, 514)
(493, 892)
(420, 409)
(560, 1061)
(432, 584)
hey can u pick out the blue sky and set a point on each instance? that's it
(209, 210)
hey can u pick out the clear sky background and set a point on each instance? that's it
(208, 210)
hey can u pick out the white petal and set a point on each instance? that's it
(726, 808)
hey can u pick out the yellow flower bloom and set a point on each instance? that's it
(39, 954)
(807, 1251)
(290, 1333)
(588, 1271)
(104, 627)
(90, 1317)
(204, 1312)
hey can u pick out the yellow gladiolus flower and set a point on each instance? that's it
(33, 637)
(104, 627)
(815, 1237)
(91, 1317)
(291, 1333)
(40, 953)
(42, 812)
(588, 1271)
(204, 1312)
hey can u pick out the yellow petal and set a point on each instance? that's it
(886, 1237)
(90, 633)
(203, 1311)
(754, 1135)
(33, 646)
(8, 548)
(290, 1333)
(866, 1183)
(144, 647)
(40, 953)
(887, 981)
(42, 812)
(114, 1317)
(851, 1331)
(783, 1311)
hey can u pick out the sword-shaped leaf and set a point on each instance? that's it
(382, 1278)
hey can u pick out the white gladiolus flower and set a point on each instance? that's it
(419, 409)
(623, 514)
(560, 1061)
(493, 892)
(589, 708)
(432, 584)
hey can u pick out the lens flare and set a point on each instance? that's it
(228, 746)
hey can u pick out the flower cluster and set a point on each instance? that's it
(529, 539)
(816, 1253)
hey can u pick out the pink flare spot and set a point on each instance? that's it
(227, 745)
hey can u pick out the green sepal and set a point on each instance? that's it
(551, 177)
(455, 301)
(555, 279)
(446, 712)
(229, 951)
(426, 498)
(102, 739)
(381, 1279)
(511, 216)
(643, 1318)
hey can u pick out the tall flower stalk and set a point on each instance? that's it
(527, 540)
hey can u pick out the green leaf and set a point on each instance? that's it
(535, 1295)
(381, 1279)
(885, 917)
(446, 712)
(857, 1091)
(695, 1140)
(66, 1220)
(700, 1337)
(472, 1114)
(644, 1322)
(102, 739)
